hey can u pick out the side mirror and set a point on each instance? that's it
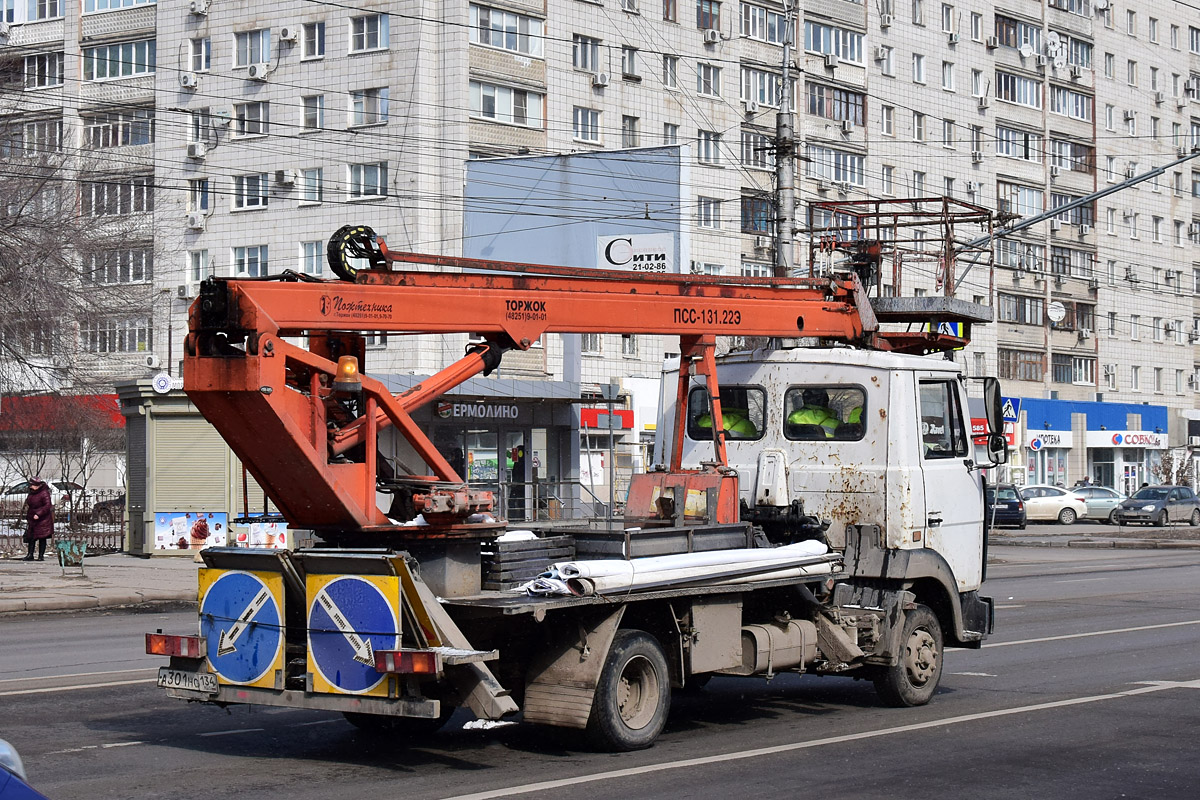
(994, 409)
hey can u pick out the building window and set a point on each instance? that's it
(671, 10)
(708, 212)
(585, 53)
(1158, 380)
(1020, 309)
(118, 197)
(199, 265)
(918, 68)
(887, 176)
(1014, 143)
(708, 147)
(670, 133)
(200, 54)
(629, 131)
(586, 124)
(125, 335)
(119, 128)
(368, 180)
(948, 133)
(629, 63)
(708, 15)
(250, 191)
(948, 76)
(1135, 379)
(1017, 89)
(758, 215)
(763, 24)
(312, 257)
(918, 126)
(199, 196)
(253, 119)
(828, 102)
(1020, 365)
(369, 106)
(122, 60)
(708, 80)
(589, 343)
(1024, 201)
(757, 151)
(887, 120)
(847, 45)
(90, 6)
(199, 124)
(312, 185)
(1014, 33)
(369, 32)
(1080, 215)
(836, 165)
(123, 265)
(250, 260)
(314, 111)
(670, 72)
(1070, 103)
(252, 47)
(1073, 156)
(761, 86)
(887, 65)
(313, 40)
(508, 31)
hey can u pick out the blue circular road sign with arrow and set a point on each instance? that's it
(242, 624)
(348, 620)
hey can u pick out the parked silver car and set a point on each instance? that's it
(1160, 505)
(1101, 501)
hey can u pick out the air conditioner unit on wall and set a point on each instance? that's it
(983, 102)
(600, 80)
(885, 20)
(285, 177)
(258, 72)
(188, 80)
(712, 36)
(196, 221)
(288, 33)
(1076, 72)
(847, 126)
(751, 106)
(831, 60)
(952, 38)
(976, 156)
(150, 361)
(184, 291)
(992, 42)
(198, 7)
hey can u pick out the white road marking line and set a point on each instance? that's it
(316, 722)
(741, 755)
(149, 670)
(1082, 580)
(15, 692)
(232, 733)
(1094, 633)
(120, 744)
(975, 674)
(1012, 605)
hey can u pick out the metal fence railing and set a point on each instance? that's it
(98, 520)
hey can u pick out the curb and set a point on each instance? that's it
(80, 602)
(1111, 544)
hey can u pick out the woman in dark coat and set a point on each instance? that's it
(40, 514)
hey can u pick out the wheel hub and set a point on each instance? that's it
(637, 692)
(921, 656)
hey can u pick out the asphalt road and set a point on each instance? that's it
(1087, 690)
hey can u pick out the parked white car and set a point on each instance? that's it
(1052, 503)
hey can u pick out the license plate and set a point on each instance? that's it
(194, 681)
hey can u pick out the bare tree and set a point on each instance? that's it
(75, 256)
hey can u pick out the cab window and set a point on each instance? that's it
(942, 432)
(743, 409)
(819, 413)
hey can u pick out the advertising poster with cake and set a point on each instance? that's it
(190, 530)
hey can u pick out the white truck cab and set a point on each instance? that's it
(870, 451)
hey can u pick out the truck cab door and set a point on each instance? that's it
(953, 491)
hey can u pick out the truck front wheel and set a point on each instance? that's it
(913, 679)
(633, 696)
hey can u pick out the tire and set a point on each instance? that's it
(1195, 518)
(1021, 527)
(912, 680)
(633, 696)
(1112, 518)
(104, 517)
(397, 727)
(1067, 516)
(1163, 520)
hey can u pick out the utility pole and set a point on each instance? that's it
(785, 191)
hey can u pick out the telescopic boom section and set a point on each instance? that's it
(308, 434)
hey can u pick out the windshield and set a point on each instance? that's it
(1151, 494)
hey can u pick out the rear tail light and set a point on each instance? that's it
(422, 662)
(164, 644)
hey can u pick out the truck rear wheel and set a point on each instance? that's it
(633, 696)
(911, 681)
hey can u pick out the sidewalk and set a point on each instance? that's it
(1171, 538)
(108, 580)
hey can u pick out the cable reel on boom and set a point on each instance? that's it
(352, 242)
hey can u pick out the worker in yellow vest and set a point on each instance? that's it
(816, 411)
(737, 424)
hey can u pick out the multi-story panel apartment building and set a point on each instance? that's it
(272, 126)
